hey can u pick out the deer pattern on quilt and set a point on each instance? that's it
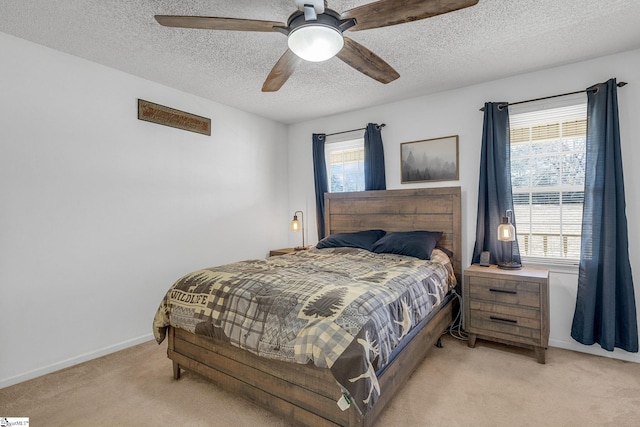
(344, 309)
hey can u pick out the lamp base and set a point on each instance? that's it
(510, 265)
(301, 248)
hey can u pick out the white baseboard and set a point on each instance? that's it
(6, 382)
(596, 350)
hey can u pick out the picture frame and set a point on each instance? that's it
(429, 160)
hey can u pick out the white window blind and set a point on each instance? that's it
(547, 176)
(345, 165)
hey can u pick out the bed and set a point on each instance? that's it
(363, 374)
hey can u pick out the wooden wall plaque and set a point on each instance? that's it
(156, 113)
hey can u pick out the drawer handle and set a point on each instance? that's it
(502, 319)
(503, 291)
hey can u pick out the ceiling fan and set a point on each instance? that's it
(315, 32)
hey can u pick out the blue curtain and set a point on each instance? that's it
(374, 176)
(494, 188)
(320, 178)
(605, 305)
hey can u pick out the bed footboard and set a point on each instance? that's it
(304, 394)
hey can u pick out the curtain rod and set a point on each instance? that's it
(352, 130)
(549, 97)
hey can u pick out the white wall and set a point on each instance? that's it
(100, 212)
(456, 112)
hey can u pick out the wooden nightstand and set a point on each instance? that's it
(284, 251)
(508, 306)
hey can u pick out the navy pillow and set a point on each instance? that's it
(360, 239)
(418, 244)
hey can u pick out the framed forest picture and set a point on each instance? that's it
(429, 160)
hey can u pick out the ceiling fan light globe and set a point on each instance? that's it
(315, 43)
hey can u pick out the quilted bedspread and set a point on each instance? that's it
(341, 308)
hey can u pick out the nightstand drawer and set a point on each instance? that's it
(504, 319)
(509, 311)
(505, 291)
(503, 328)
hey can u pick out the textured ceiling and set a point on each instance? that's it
(494, 39)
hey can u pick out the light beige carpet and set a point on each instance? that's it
(491, 385)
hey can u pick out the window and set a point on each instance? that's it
(547, 176)
(345, 165)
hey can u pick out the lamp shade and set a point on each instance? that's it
(315, 42)
(506, 231)
(295, 224)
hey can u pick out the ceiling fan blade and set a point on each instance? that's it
(367, 62)
(391, 12)
(281, 72)
(216, 23)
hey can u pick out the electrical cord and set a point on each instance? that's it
(455, 328)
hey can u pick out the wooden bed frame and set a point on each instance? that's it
(308, 395)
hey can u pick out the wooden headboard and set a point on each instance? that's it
(433, 209)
